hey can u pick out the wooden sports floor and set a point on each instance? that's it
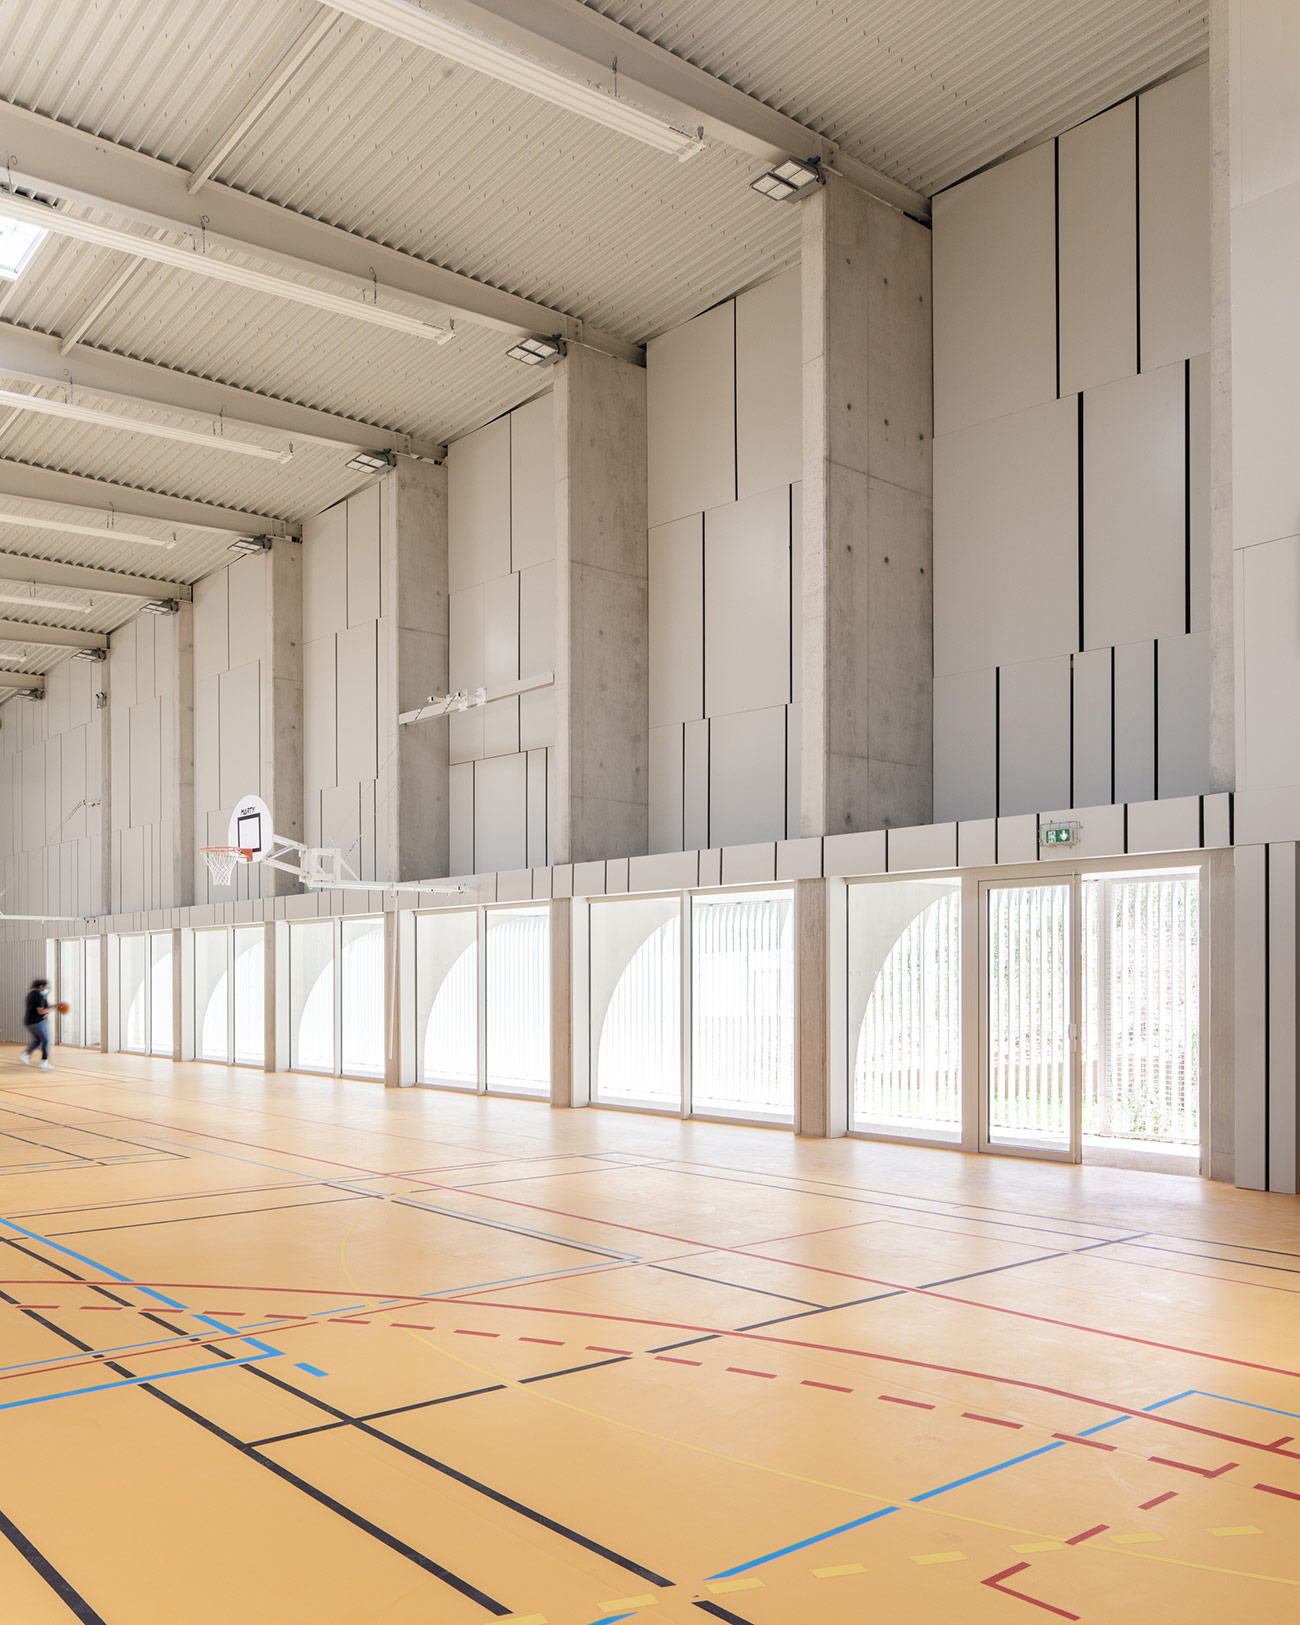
(298, 1350)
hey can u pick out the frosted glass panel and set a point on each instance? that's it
(311, 995)
(519, 1000)
(636, 1001)
(70, 985)
(250, 996)
(1029, 1016)
(363, 998)
(446, 999)
(905, 1008)
(160, 993)
(211, 996)
(93, 1029)
(131, 986)
(742, 1005)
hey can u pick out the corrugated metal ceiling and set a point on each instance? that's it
(381, 138)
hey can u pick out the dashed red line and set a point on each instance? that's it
(1186, 1467)
(1272, 1489)
(411, 1326)
(348, 1320)
(742, 1371)
(1287, 1438)
(995, 1581)
(1093, 1444)
(834, 1387)
(101, 1308)
(462, 1331)
(36, 1306)
(1169, 1495)
(551, 1342)
(997, 1421)
(672, 1359)
(916, 1404)
(595, 1348)
(1097, 1529)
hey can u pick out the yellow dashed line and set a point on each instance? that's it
(1040, 1546)
(840, 1568)
(1236, 1529)
(941, 1557)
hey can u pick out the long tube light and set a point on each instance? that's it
(44, 603)
(496, 61)
(209, 440)
(210, 264)
(101, 533)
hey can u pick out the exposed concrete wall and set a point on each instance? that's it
(413, 665)
(867, 662)
(281, 700)
(1223, 741)
(178, 789)
(601, 780)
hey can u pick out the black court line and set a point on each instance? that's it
(158, 1201)
(719, 1612)
(63, 1589)
(239, 1213)
(47, 1123)
(428, 1564)
(759, 1291)
(513, 1230)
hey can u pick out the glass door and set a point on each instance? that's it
(1030, 1100)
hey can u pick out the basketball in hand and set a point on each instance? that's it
(63, 1009)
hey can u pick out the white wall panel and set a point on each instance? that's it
(995, 292)
(532, 483)
(501, 630)
(1134, 509)
(1006, 540)
(501, 813)
(478, 505)
(363, 555)
(1097, 177)
(1183, 702)
(677, 621)
(320, 735)
(690, 416)
(207, 744)
(211, 625)
(537, 653)
(695, 784)
(325, 573)
(747, 777)
(145, 734)
(1135, 722)
(357, 699)
(149, 629)
(465, 733)
(747, 604)
(1034, 736)
(1174, 218)
(460, 801)
(1266, 48)
(247, 607)
(666, 788)
(965, 746)
(769, 385)
(501, 727)
(1092, 742)
(241, 733)
(539, 843)
(1198, 465)
(793, 770)
(465, 643)
(1268, 654)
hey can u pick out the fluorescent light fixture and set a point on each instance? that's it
(19, 240)
(105, 532)
(209, 439)
(251, 544)
(160, 606)
(790, 179)
(371, 462)
(210, 264)
(537, 352)
(44, 603)
(509, 67)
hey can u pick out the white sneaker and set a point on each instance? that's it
(25, 1058)
(47, 1066)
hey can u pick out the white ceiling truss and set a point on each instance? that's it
(287, 226)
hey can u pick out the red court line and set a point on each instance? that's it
(741, 1371)
(1169, 1495)
(997, 1421)
(671, 1359)
(1097, 1529)
(995, 1581)
(916, 1404)
(554, 1342)
(1093, 1444)
(1287, 1438)
(463, 1331)
(1272, 1489)
(1204, 1472)
(595, 1348)
(834, 1387)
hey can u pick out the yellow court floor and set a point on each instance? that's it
(293, 1349)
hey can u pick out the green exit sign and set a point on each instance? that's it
(1059, 834)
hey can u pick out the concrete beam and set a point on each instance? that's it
(223, 224)
(577, 41)
(50, 637)
(31, 484)
(600, 799)
(46, 573)
(282, 701)
(38, 358)
(866, 681)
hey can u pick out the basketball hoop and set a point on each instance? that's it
(221, 861)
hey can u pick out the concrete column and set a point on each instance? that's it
(820, 1085)
(600, 762)
(282, 738)
(562, 1033)
(867, 664)
(270, 1001)
(411, 793)
(178, 797)
(399, 995)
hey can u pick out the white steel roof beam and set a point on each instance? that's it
(50, 637)
(28, 483)
(82, 578)
(22, 680)
(39, 358)
(579, 44)
(224, 228)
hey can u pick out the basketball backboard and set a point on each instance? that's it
(250, 827)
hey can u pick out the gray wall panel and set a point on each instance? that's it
(965, 746)
(1034, 736)
(1098, 249)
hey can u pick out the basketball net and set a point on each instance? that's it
(221, 861)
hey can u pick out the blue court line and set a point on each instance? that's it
(130, 1382)
(1271, 1409)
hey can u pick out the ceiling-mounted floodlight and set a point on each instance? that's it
(790, 179)
(371, 462)
(160, 606)
(30, 694)
(91, 654)
(537, 352)
(252, 544)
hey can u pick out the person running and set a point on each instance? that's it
(36, 1020)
